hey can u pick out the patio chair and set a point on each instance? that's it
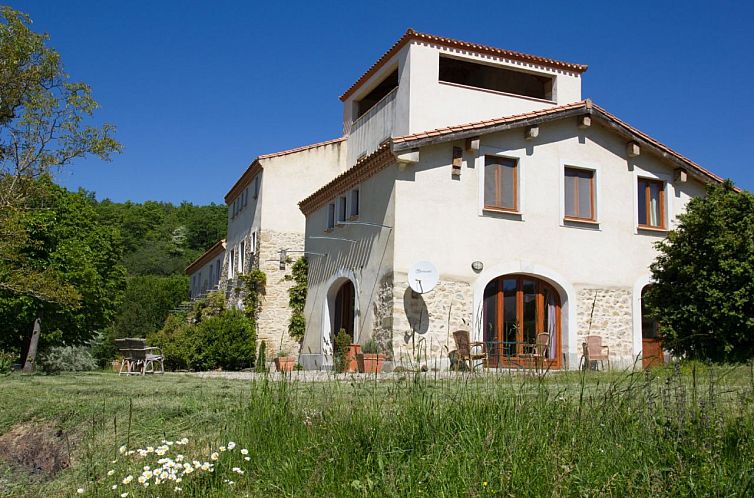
(538, 351)
(468, 352)
(138, 359)
(593, 352)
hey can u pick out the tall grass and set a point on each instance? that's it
(673, 432)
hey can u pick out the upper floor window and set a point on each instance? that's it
(579, 194)
(342, 208)
(354, 202)
(500, 79)
(256, 186)
(378, 93)
(500, 183)
(331, 216)
(241, 257)
(651, 203)
(231, 263)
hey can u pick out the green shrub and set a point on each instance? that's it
(177, 342)
(6, 362)
(103, 347)
(342, 345)
(370, 347)
(227, 341)
(67, 359)
(261, 364)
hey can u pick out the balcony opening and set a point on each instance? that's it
(495, 78)
(386, 86)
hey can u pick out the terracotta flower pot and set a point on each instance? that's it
(285, 363)
(352, 364)
(370, 362)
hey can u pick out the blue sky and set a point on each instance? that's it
(198, 89)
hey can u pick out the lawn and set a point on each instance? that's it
(669, 432)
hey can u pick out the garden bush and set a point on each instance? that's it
(67, 359)
(226, 341)
(6, 362)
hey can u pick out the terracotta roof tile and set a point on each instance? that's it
(217, 248)
(410, 34)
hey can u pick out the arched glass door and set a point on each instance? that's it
(516, 308)
(343, 309)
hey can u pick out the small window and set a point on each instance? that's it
(651, 203)
(579, 194)
(500, 183)
(242, 256)
(231, 263)
(331, 216)
(342, 209)
(256, 186)
(254, 242)
(354, 202)
(246, 196)
(496, 78)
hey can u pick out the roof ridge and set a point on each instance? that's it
(300, 148)
(412, 34)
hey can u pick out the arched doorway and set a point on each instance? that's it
(651, 345)
(344, 309)
(515, 309)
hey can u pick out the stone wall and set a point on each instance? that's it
(611, 319)
(382, 309)
(423, 324)
(272, 325)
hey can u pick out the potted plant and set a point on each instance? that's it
(370, 360)
(284, 362)
(345, 353)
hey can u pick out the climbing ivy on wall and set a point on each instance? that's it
(297, 298)
(256, 284)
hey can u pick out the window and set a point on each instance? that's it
(500, 183)
(380, 91)
(651, 203)
(256, 186)
(231, 263)
(331, 216)
(253, 241)
(241, 256)
(217, 271)
(579, 194)
(246, 196)
(495, 78)
(342, 209)
(354, 202)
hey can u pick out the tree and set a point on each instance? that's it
(147, 303)
(65, 240)
(703, 291)
(43, 127)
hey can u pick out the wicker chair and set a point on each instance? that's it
(468, 352)
(138, 359)
(593, 352)
(538, 351)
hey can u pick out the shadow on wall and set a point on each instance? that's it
(416, 313)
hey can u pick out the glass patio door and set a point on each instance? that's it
(515, 309)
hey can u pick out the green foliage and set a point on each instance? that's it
(213, 304)
(65, 242)
(703, 291)
(67, 359)
(43, 115)
(178, 342)
(160, 238)
(370, 347)
(297, 298)
(261, 363)
(6, 361)
(256, 287)
(342, 346)
(147, 302)
(226, 341)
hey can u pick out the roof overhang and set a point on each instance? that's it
(214, 251)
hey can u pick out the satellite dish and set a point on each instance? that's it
(422, 277)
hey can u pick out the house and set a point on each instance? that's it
(263, 219)
(538, 209)
(204, 272)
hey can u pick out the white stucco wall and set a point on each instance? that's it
(613, 254)
(367, 263)
(435, 104)
(199, 279)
